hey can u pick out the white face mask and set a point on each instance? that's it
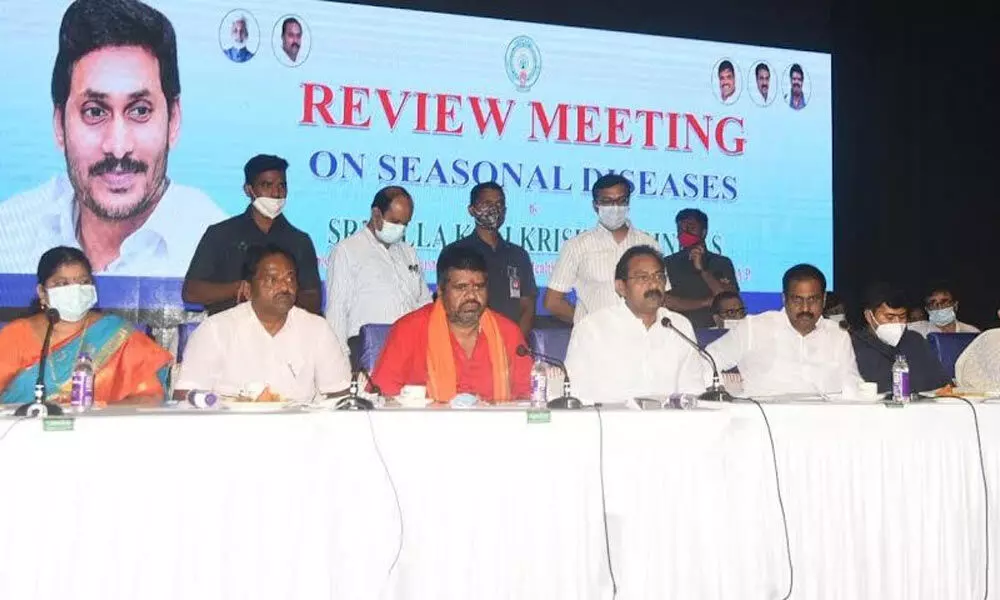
(72, 301)
(269, 207)
(942, 316)
(612, 217)
(390, 232)
(730, 323)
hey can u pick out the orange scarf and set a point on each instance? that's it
(442, 378)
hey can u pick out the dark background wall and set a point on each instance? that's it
(915, 121)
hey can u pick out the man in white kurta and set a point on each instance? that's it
(267, 343)
(794, 350)
(622, 352)
(374, 275)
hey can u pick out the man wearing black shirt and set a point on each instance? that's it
(886, 336)
(510, 277)
(696, 275)
(213, 278)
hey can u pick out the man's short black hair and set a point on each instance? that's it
(481, 187)
(89, 25)
(261, 164)
(726, 66)
(722, 297)
(802, 272)
(796, 69)
(384, 197)
(692, 213)
(611, 180)
(621, 269)
(882, 292)
(941, 286)
(287, 22)
(761, 67)
(460, 258)
(255, 254)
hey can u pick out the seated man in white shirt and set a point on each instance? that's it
(791, 351)
(266, 349)
(942, 311)
(622, 352)
(586, 263)
(374, 276)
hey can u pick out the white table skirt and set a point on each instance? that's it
(882, 504)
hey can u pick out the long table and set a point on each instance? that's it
(881, 503)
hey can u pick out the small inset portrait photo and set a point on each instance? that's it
(239, 36)
(726, 81)
(291, 40)
(795, 85)
(760, 91)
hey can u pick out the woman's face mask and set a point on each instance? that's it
(72, 301)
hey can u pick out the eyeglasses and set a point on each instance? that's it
(644, 278)
(619, 201)
(733, 313)
(938, 304)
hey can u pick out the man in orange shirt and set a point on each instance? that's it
(456, 345)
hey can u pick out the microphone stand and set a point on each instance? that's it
(567, 400)
(715, 392)
(41, 407)
(353, 401)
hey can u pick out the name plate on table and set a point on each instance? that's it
(671, 401)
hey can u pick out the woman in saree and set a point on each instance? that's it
(129, 367)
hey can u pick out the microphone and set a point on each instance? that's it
(40, 407)
(715, 392)
(353, 401)
(567, 400)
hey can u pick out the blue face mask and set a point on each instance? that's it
(942, 316)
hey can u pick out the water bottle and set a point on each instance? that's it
(82, 394)
(900, 380)
(539, 386)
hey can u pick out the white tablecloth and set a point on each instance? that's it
(882, 504)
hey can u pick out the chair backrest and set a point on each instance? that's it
(184, 331)
(372, 340)
(707, 336)
(949, 346)
(552, 341)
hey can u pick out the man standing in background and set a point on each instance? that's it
(214, 278)
(587, 262)
(511, 278)
(696, 275)
(116, 117)
(374, 276)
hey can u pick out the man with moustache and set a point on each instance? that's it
(797, 100)
(238, 52)
(291, 38)
(266, 349)
(791, 351)
(727, 82)
(116, 116)
(763, 75)
(624, 351)
(456, 345)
